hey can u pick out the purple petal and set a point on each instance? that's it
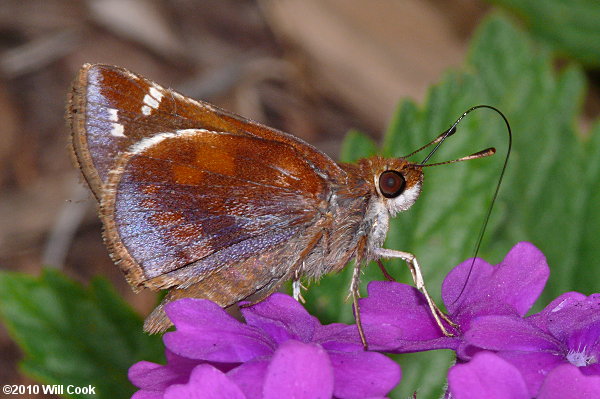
(217, 346)
(456, 294)
(592, 369)
(207, 332)
(329, 332)
(566, 381)
(401, 306)
(574, 320)
(156, 377)
(486, 376)
(485, 307)
(396, 319)
(149, 375)
(206, 382)
(282, 318)
(299, 370)
(209, 322)
(583, 343)
(250, 377)
(338, 336)
(565, 300)
(577, 321)
(534, 366)
(199, 314)
(510, 334)
(401, 346)
(466, 351)
(363, 374)
(532, 351)
(517, 281)
(147, 395)
(385, 338)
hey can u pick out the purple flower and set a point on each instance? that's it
(489, 306)
(486, 376)
(565, 333)
(489, 376)
(281, 351)
(397, 319)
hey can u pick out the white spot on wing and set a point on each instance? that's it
(156, 93)
(117, 130)
(152, 100)
(148, 142)
(113, 114)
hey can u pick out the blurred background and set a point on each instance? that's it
(314, 68)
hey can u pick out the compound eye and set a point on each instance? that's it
(391, 183)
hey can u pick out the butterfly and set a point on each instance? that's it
(208, 204)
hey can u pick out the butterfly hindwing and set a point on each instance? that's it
(198, 200)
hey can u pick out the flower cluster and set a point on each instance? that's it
(500, 352)
(280, 352)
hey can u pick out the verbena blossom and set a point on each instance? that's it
(489, 304)
(398, 320)
(281, 351)
(564, 336)
(490, 376)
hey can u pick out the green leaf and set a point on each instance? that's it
(75, 336)
(550, 194)
(571, 27)
(357, 145)
(426, 380)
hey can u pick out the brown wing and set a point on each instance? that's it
(180, 205)
(110, 109)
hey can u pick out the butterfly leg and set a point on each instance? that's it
(297, 288)
(354, 291)
(386, 274)
(415, 270)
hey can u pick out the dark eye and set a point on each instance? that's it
(391, 183)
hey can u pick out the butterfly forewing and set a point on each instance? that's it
(111, 109)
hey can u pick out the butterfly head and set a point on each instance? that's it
(396, 181)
